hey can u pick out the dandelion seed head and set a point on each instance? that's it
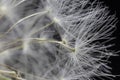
(75, 54)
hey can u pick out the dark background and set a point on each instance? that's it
(114, 6)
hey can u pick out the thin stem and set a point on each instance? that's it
(16, 47)
(20, 3)
(11, 74)
(55, 41)
(17, 73)
(21, 20)
(7, 72)
(40, 41)
(43, 27)
(8, 67)
(4, 78)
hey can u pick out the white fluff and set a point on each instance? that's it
(56, 39)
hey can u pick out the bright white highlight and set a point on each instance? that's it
(3, 9)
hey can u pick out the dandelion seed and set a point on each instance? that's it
(82, 27)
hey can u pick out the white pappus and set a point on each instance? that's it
(55, 39)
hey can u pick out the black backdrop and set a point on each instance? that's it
(115, 8)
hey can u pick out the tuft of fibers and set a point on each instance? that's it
(55, 40)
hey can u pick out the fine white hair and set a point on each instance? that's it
(55, 39)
